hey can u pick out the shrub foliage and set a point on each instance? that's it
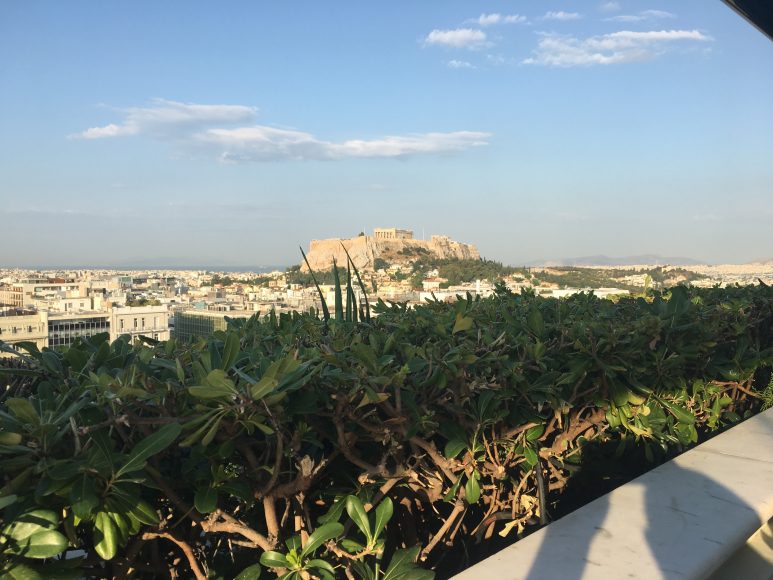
(305, 447)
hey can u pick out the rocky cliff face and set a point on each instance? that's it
(365, 249)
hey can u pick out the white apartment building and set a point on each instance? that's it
(150, 321)
(24, 327)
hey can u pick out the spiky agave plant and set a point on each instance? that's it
(353, 312)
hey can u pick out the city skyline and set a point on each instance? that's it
(142, 134)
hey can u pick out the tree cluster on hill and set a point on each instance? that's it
(462, 271)
(614, 277)
(296, 276)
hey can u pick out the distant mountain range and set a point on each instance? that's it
(602, 260)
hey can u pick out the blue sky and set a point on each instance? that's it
(231, 133)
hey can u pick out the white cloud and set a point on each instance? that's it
(168, 117)
(459, 64)
(210, 130)
(610, 7)
(399, 146)
(261, 143)
(615, 48)
(496, 18)
(111, 130)
(641, 16)
(561, 15)
(489, 19)
(458, 38)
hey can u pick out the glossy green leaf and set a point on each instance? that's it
(7, 500)
(83, 497)
(462, 323)
(321, 565)
(403, 567)
(205, 500)
(151, 445)
(321, 535)
(209, 392)
(682, 415)
(20, 570)
(359, 516)
(454, 447)
(29, 523)
(273, 559)
(384, 511)
(210, 434)
(263, 387)
(230, 351)
(249, 573)
(8, 438)
(145, 513)
(105, 536)
(23, 410)
(472, 488)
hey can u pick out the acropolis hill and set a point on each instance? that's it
(390, 244)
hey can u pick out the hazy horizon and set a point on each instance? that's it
(537, 131)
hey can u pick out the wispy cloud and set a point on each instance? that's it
(615, 48)
(609, 7)
(496, 18)
(266, 144)
(459, 64)
(641, 16)
(561, 15)
(216, 130)
(468, 38)
(164, 117)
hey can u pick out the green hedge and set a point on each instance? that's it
(312, 448)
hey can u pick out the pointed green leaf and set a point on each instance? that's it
(29, 523)
(105, 536)
(145, 513)
(205, 500)
(263, 387)
(462, 323)
(682, 415)
(208, 438)
(230, 351)
(403, 567)
(384, 512)
(209, 392)
(7, 438)
(321, 535)
(321, 565)
(83, 497)
(472, 489)
(359, 516)
(325, 310)
(273, 559)
(45, 544)
(339, 303)
(454, 447)
(20, 571)
(150, 446)
(250, 573)
(7, 500)
(23, 410)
